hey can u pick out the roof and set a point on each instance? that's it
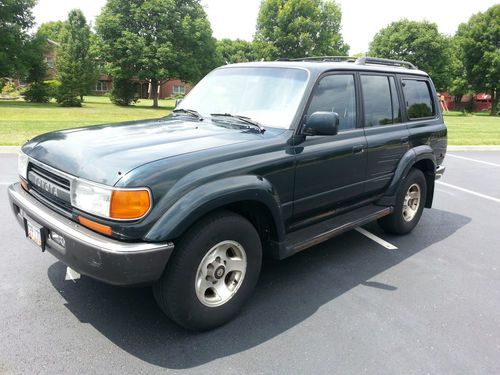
(322, 66)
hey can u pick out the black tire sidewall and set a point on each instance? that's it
(178, 283)
(415, 176)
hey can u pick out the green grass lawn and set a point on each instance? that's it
(20, 121)
(476, 129)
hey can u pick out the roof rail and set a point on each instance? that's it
(379, 61)
(321, 58)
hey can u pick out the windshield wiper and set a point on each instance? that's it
(246, 120)
(190, 112)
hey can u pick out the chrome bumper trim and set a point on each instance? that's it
(49, 218)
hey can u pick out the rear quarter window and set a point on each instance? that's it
(418, 98)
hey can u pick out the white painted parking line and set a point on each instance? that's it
(497, 200)
(378, 240)
(474, 160)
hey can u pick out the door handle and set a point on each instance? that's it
(405, 140)
(358, 149)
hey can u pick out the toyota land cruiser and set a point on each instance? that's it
(260, 159)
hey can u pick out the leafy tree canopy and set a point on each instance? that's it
(156, 40)
(297, 28)
(51, 30)
(479, 41)
(235, 51)
(418, 42)
(15, 20)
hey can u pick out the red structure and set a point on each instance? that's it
(480, 102)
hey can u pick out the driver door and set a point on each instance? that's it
(330, 170)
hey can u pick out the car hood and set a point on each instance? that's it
(104, 153)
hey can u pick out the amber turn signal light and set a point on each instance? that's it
(129, 204)
(101, 228)
(24, 184)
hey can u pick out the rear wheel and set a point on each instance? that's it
(212, 272)
(410, 201)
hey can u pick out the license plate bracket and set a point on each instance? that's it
(35, 232)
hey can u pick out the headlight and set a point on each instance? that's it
(22, 165)
(108, 202)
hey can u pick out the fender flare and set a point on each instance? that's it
(211, 196)
(408, 160)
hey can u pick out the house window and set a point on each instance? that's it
(50, 62)
(101, 86)
(179, 90)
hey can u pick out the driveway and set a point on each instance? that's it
(428, 303)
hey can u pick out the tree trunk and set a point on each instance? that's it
(81, 98)
(154, 92)
(494, 102)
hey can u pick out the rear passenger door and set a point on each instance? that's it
(386, 134)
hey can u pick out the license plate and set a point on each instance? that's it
(34, 232)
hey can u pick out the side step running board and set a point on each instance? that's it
(320, 232)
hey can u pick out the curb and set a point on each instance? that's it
(473, 148)
(9, 149)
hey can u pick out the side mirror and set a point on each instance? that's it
(321, 123)
(177, 102)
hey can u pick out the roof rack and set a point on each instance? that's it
(379, 61)
(321, 58)
(359, 60)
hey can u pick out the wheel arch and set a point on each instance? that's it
(252, 197)
(420, 157)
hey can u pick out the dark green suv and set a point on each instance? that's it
(260, 159)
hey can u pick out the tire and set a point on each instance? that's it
(406, 216)
(205, 283)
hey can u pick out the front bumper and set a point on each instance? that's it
(439, 172)
(102, 258)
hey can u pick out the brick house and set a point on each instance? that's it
(50, 56)
(168, 89)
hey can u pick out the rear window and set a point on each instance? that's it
(419, 103)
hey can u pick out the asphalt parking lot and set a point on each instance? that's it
(347, 306)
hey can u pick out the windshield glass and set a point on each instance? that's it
(269, 96)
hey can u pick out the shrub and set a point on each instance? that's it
(67, 97)
(8, 88)
(52, 87)
(123, 92)
(38, 92)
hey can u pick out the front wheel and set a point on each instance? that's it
(212, 272)
(410, 201)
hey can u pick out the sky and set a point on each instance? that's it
(360, 19)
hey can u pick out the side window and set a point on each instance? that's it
(418, 99)
(377, 100)
(336, 93)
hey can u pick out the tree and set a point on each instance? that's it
(38, 91)
(298, 28)
(418, 42)
(479, 41)
(155, 40)
(15, 20)
(51, 30)
(459, 84)
(75, 65)
(235, 51)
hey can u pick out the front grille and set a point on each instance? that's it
(52, 177)
(52, 187)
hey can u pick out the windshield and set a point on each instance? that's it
(269, 96)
